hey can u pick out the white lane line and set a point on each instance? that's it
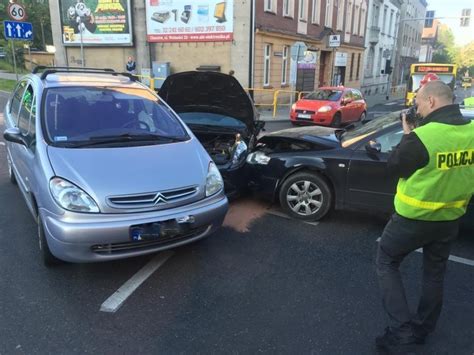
(454, 258)
(2, 143)
(114, 302)
(283, 215)
(391, 103)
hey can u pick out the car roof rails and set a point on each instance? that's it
(51, 70)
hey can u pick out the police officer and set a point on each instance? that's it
(468, 102)
(435, 166)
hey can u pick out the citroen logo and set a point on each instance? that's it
(159, 198)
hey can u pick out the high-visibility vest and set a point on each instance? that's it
(469, 102)
(441, 190)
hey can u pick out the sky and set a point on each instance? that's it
(447, 8)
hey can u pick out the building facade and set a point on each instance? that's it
(268, 44)
(410, 31)
(428, 42)
(381, 45)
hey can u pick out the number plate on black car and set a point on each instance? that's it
(157, 230)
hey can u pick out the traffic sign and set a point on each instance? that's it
(16, 12)
(18, 30)
(334, 41)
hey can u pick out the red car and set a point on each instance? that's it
(329, 106)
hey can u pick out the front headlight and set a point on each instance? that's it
(258, 157)
(293, 107)
(325, 109)
(239, 149)
(214, 182)
(70, 197)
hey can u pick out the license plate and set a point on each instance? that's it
(154, 231)
(304, 115)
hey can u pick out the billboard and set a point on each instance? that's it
(101, 22)
(189, 21)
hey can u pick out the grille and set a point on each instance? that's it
(118, 248)
(306, 111)
(151, 199)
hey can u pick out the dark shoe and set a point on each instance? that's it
(394, 344)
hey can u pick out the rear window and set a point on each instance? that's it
(78, 114)
(324, 95)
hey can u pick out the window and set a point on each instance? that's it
(352, 67)
(269, 5)
(303, 11)
(370, 62)
(376, 15)
(284, 65)
(349, 17)
(390, 23)
(16, 100)
(358, 67)
(384, 23)
(356, 94)
(389, 141)
(266, 64)
(328, 16)
(362, 20)
(356, 20)
(26, 110)
(316, 11)
(340, 13)
(288, 6)
(379, 62)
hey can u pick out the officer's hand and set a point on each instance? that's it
(407, 128)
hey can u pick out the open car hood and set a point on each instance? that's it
(213, 92)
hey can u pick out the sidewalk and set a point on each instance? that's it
(10, 76)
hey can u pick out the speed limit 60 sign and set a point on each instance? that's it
(16, 12)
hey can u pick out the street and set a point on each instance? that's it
(264, 283)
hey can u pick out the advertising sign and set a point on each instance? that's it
(308, 60)
(101, 22)
(189, 21)
(341, 59)
(334, 41)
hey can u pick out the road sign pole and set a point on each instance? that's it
(14, 59)
(82, 46)
(332, 66)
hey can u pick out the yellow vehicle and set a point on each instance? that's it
(466, 82)
(445, 72)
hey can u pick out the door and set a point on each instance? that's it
(359, 104)
(368, 183)
(347, 108)
(24, 154)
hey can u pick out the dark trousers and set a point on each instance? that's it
(400, 237)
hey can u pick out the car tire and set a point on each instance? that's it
(48, 258)
(336, 121)
(362, 117)
(305, 196)
(11, 174)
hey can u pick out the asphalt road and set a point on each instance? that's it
(271, 285)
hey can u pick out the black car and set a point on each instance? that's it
(221, 115)
(313, 169)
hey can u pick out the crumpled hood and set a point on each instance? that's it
(105, 172)
(214, 92)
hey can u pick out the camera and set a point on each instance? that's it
(412, 117)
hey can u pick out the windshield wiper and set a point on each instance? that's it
(124, 138)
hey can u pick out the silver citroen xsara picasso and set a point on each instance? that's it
(107, 169)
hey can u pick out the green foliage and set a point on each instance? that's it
(7, 85)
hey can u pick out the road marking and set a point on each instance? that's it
(114, 302)
(283, 215)
(454, 258)
(2, 143)
(391, 103)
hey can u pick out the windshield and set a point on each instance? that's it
(324, 95)
(354, 135)
(446, 78)
(211, 119)
(79, 114)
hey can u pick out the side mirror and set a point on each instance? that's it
(346, 101)
(373, 147)
(259, 126)
(13, 135)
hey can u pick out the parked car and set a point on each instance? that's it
(329, 106)
(311, 170)
(106, 167)
(221, 115)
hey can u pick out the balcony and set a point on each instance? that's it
(374, 34)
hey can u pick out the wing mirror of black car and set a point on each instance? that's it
(373, 147)
(14, 135)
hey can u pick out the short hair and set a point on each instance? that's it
(438, 89)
